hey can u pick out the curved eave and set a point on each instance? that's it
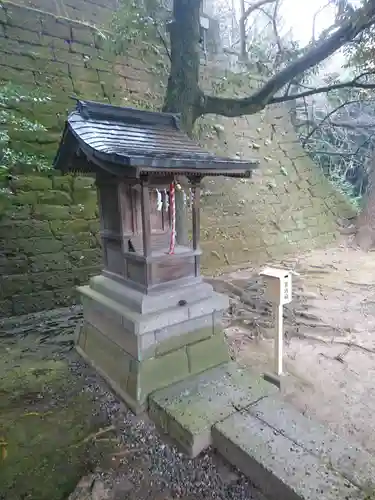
(136, 165)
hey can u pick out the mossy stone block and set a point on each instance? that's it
(50, 262)
(22, 34)
(85, 258)
(55, 197)
(32, 183)
(25, 304)
(178, 341)
(82, 276)
(66, 297)
(188, 409)
(88, 210)
(16, 212)
(52, 280)
(207, 353)
(83, 35)
(24, 228)
(25, 198)
(154, 373)
(10, 265)
(83, 182)
(56, 27)
(84, 75)
(52, 212)
(15, 284)
(15, 75)
(79, 241)
(6, 308)
(63, 182)
(107, 356)
(60, 227)
(36, 246)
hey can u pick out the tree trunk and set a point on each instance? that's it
(365, 237)
(183, 93)
(243, 50)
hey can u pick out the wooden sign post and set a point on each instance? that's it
(278, 291)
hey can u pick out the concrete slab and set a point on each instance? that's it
(280, 468)
(188, 410)
(349, 459)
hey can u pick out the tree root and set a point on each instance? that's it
(335, 342)
(94, 436)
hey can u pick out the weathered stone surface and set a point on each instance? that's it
(140, 324)
(138, 346)
(276, 464)
(156, 373)
(350, 460)
(207, 353)
(165, 342)
(187, 410)
(141, 303)
(105, 354)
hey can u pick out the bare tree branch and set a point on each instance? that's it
(253, 7)
(355, 124)
(244, 16)
(323, 90)
(326, 118)
(349, 29)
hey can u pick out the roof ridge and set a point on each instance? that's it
(97, 110)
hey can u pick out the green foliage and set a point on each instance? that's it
(337, 131)
(11, 161)
(10, 97)
(138, 24)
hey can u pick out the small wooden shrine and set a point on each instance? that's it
(150, 303)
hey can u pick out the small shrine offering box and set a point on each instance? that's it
(278, 285)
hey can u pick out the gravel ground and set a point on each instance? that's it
(147, 468)
(143, 466)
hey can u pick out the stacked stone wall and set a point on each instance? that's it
(48, 230)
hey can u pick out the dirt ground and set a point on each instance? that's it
(52, 404)
(329, 336)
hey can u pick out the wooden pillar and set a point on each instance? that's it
(146, 223)
(196, 220)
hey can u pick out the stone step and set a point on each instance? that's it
(289, 456)
(187, 410)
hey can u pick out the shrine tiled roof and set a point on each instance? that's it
(113, 137)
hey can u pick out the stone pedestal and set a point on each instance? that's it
(140, 343)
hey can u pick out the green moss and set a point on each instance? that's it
(6, 309)
(43, 431)
(79, 241)
(52, 212)
(24, 228)
(25, 198)
(85, 258)
(82, 276)
(54, 197)
(62, 183)
(30, 303)
(50, 262)
(32, 182)
(60, 227)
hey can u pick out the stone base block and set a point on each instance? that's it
(194, 290)
(277, 465)
(187, 410)
(352, 462)
(140, 353)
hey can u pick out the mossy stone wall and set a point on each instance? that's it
(48, 231)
